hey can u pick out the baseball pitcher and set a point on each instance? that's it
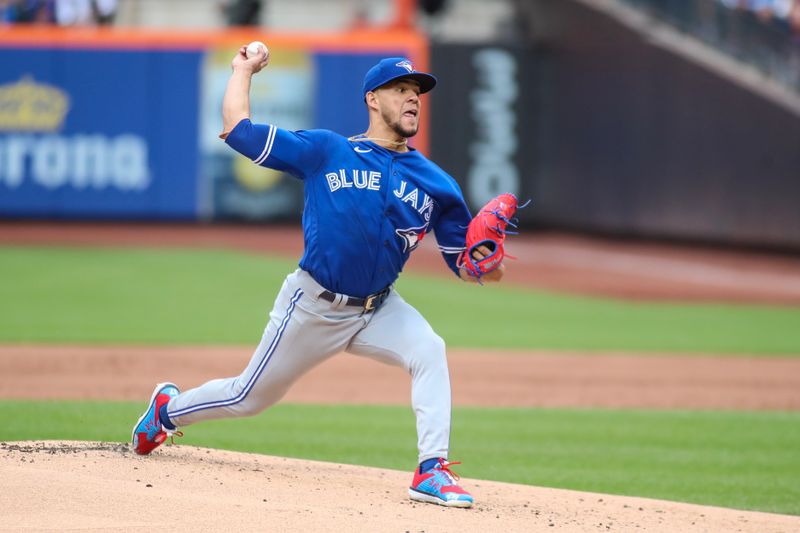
(368, 202)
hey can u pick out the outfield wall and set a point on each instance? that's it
(603, 130)
(637, 140)
(124, 124)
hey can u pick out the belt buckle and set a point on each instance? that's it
(369, 305)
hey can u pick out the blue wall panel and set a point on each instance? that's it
(122, 145)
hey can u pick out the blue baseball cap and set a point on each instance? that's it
(395, 68)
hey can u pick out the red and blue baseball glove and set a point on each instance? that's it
(488, 230)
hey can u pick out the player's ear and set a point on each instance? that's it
(372, 100)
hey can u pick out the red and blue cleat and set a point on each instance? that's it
(439, 485)
(148, 433)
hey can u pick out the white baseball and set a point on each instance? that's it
(254, 48)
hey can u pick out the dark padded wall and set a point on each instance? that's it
(619, 136)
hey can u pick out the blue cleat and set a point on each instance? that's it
(148, 433)
(439, 485)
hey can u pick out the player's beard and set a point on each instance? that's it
(398, 127)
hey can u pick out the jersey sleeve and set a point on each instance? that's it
(450, 229)
(299, 153)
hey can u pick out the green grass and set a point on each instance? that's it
(738, 460)
(137, 296)
(181, 296)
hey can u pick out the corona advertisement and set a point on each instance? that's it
(125, 124)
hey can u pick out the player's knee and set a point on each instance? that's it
(258, 399)
(428, 351)
(437, 345)
(254, 406)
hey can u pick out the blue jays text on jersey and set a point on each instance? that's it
(365, 207)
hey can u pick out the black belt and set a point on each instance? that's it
(369, 304)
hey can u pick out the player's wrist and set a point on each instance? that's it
(465, 275)
(247, 69)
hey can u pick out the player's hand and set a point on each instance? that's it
(252, 65)
(495, 275)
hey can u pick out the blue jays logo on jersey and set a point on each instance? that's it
(406, 64)
(421, 202)
(411, 237)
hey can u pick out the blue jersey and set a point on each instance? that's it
(366, 208)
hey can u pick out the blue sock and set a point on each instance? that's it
(165, 421)
(426, 465)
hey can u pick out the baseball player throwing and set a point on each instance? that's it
(369, 201)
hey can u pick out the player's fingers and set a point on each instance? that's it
(240, 57)
(496, 274)
(480, 252)
(262, 62)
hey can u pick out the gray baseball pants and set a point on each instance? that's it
(303, 331)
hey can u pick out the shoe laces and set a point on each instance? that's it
(444, 466)
(172, 433)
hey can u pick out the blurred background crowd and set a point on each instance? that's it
(60, 12)
(783, 15)
(764, 33)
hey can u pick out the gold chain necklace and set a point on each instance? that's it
(360, 137)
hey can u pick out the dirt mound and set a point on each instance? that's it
(105, 487)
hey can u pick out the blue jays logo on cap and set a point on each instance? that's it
(406, 64)
(394, 68)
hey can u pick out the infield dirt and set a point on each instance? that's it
(58, 486)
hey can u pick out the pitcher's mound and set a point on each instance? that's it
(59, 486)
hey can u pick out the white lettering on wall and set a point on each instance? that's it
(129, 168)
(49, 165)
(90, 161)
(78, 161)
(493, 171)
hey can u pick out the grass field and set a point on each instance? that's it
(741, 460)
(92, 295)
